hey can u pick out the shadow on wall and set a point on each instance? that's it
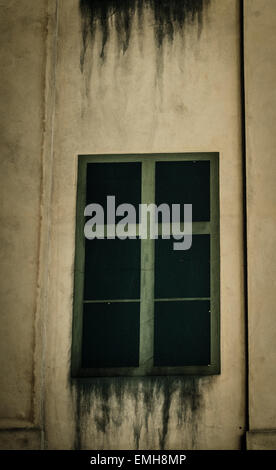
(170, 17)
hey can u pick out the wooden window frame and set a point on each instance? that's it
(147, 300)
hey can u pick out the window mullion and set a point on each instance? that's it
(147, 274)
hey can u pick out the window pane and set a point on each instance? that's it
(122, 180)
(185, 183)
(182, 273)
(111, 335)
(112, 269)
(182, 333)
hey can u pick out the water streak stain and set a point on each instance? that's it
(101, 407)
(169, 18)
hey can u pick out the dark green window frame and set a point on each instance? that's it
(147, 300)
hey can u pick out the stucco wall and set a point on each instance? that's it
(60, 98)
(63, 95)
(260, 74)
(23, 53)
(183, 98)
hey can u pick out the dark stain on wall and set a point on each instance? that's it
(190, 393)
(167, 389)
(170, 17)
(101, 407)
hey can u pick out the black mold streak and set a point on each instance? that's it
(189, 404)
(102, 419)
(170, 17)
(148, 398)
(137, 426)
(167, 387)
(137, 433)
(146, 392)
(83, 405)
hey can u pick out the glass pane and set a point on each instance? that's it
(112, 269)
(185, 183)
(182, 333)
(181, 274)
(111, 335)
(122, 180)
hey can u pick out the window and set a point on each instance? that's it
(141, 307)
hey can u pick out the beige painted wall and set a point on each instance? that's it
(120, 106)
(123, 105)
(260, 52)
(23, 36)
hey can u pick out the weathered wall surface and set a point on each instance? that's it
(135, 96)
(260, 51)
(23, 35)
(157, 86)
